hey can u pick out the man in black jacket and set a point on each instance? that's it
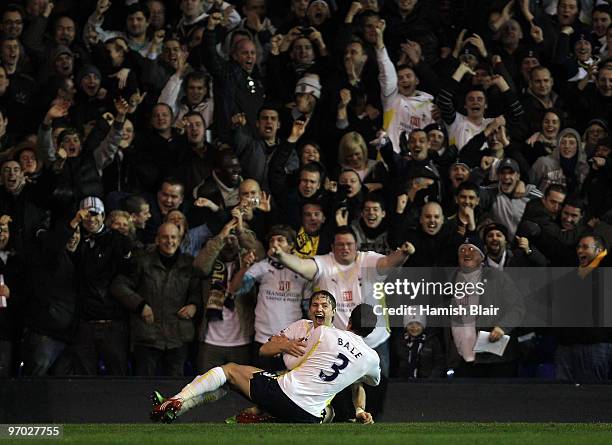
(237, 84)
(102, 332)
(51, 309)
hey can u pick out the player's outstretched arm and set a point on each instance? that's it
(359, 402)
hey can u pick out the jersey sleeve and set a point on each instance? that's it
(297, 329)
(323, 266)
(257, 270)
(372, 378)
(370, 259)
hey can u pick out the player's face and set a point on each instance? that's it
(345, 248)
(321, 311)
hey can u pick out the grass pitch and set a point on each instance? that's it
(336, 434)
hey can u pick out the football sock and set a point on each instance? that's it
(198, 400)
(207, 382)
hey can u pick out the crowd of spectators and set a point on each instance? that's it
(178, 175)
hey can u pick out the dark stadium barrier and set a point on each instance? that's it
(115, 400)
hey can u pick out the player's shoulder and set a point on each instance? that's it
(298, 328)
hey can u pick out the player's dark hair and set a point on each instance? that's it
(325, 294)
(363, 320)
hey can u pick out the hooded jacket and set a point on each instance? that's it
(548, 170)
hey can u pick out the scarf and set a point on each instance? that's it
(569, 170)
(414, 345)
(306, 245)
(463, 329)
(494, 264)
(218, 295)
(374, 233)
(583, 271)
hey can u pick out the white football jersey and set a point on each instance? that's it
(279, 301)
(301, 329)
(462, 130)
(334, 360)
(351, 285)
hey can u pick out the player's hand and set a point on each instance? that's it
(364, 417)
(147, 314)
(496, 334)
(296, 348)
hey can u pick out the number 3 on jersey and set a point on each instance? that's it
(336, 368)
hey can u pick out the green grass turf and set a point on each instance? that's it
(336, 434)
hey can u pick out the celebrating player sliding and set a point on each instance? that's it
(333, 360)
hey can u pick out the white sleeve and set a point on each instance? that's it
(233, 19)
(387, 76)
(322, 262)
(170, 93)
(257, 270)
(372, 378)
(370, 259)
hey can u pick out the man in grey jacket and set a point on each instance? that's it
(163, 293)
(508, 198)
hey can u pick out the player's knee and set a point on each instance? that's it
(229, 370)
